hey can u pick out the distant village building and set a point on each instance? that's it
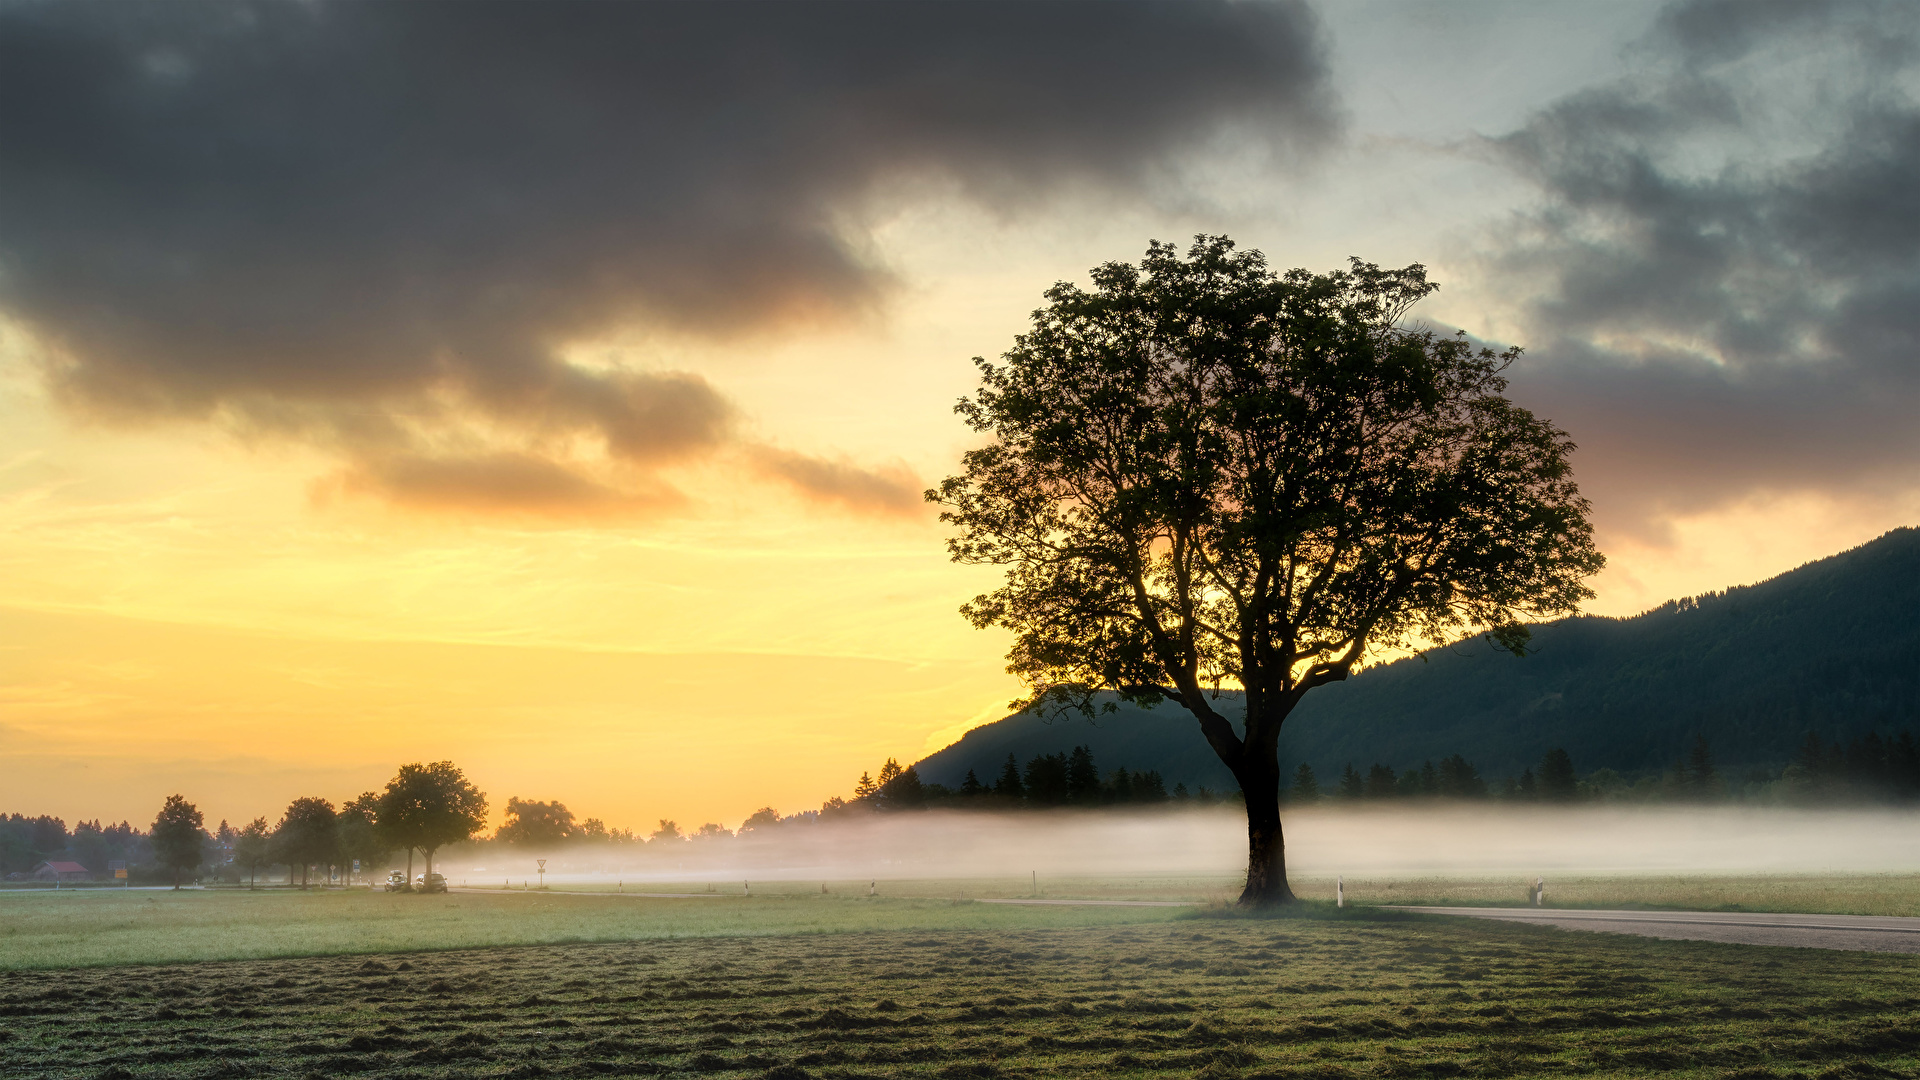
(61, 871)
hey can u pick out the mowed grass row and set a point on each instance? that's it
(80, 928)
(1193, 996)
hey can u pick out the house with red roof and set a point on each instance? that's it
(61, 871)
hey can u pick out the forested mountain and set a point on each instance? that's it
(1832, 648)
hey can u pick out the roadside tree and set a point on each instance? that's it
(178, 835)
(359, 834)
(1202, 474)
(252, 848)
(426, 807)
(307, 836)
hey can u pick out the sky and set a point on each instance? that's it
(550, 388)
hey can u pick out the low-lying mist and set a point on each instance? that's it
(1413, 841)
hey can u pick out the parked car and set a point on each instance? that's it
(397, 881)
(430, 883)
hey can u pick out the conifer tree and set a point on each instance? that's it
(1352, 785)
(1458, 779)
(1149, 787)
(901, 789)
(1527, 789)
(1046, 780)
(1009, 786)
(1083, 778)
(1306, 786)
(1557, 780)
(1700, 779)
(1380, 782)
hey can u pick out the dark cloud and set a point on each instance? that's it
(891, 491)
(1726, 269)
(305, 215)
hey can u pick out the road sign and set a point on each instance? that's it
(119, 869)
(356, 866)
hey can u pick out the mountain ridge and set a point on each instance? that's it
(1831, 647)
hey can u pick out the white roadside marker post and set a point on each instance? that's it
(1340, 891)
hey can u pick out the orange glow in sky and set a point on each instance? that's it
(603, 485)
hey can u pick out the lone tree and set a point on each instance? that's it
(1203, 474)
(428, 807)
(178, 832)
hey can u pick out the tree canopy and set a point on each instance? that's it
(178, 832)
(429, 806)
(1204, 474)
(359, 831)
(307, 836)
(532, 824)
(252, 847)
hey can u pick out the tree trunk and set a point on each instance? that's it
(1266, 847)
(409, 887)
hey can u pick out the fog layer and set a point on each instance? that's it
(1415, 842)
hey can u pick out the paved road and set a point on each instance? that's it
(1098, 903)
(1860, 933)
(636, 894)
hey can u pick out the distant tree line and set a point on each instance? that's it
(1871, 769)
(27, 842)
(423, 808)
(1069, 778)
(426, 807)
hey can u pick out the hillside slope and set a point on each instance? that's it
(1832, 647)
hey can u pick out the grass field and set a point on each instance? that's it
(44, 929)
(1366, 995)
(81, 928)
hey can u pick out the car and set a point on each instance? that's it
(397, 882)
(430, 883)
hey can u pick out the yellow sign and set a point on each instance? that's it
(120, 874)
